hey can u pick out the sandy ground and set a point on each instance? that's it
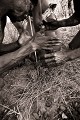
(33, 92)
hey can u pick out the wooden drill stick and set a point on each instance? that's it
(31, 26)
(32, 33)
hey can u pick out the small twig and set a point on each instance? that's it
(20, 115)
(42, 92)
(75, 97)
(66, 103)
(10, 109)
(56, 116)
(23, 91)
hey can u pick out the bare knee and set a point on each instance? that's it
(1, 38)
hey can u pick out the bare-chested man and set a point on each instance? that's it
(17, 11)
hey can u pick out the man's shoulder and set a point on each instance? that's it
(5, 3)
(4, 6)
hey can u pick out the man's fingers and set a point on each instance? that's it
(51, 41)
(41, 40)
(61, 56)
(49, 55)
(47, 48)
(50, 60)
(52, 47)
(48, 44)
(54, 58)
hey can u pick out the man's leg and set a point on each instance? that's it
(75, 43)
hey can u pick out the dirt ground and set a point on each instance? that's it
(36, 92)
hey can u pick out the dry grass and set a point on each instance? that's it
(42, 93)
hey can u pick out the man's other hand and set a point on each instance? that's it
(39, 41)
(24, 38)
(51, 24)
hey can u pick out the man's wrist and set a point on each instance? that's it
(19, 42)
(34, 46)
(61, 23)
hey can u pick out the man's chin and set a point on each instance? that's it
(19, 18)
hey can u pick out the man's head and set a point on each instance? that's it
(19, 9)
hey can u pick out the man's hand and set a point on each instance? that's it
(58, 57)
(51, 24)
(52, 51)
(24, 38)
(39, 41)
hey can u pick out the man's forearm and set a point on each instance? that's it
(55, 24)
(7, 48)
(8, 60)
(71, 21)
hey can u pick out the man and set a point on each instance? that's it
(74, 50)
(17, 11)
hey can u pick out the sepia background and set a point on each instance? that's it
(38, 92)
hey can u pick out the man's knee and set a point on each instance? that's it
(1, 38)
(75, 43)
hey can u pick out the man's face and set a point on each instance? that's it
(20, 8)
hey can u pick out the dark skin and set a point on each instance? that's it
(17, 12)
(16, 51)
(27, 44)
(74, 46)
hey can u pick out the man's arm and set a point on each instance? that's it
(6, 48)
(8, 60)
(71, 21)
(37, 15)
(52, 24)
(19, 26)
